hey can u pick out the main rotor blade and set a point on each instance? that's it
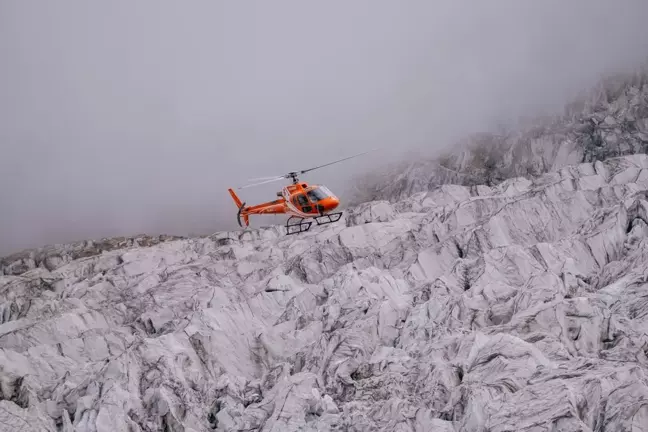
(334, 162)
(263, 182)
(263, 178)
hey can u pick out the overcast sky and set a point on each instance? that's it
(124, 117)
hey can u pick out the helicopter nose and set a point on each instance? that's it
(330, 203)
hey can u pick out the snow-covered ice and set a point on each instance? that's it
(516, 307)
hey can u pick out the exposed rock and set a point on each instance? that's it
(515, 307)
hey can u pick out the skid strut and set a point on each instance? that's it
(297, 228)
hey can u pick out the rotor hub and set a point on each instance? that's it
(293, 176)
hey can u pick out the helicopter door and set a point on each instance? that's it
(301, 201)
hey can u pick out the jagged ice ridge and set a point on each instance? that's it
(519, 307)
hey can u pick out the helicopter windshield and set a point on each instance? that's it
(317, 194)
(326, 191)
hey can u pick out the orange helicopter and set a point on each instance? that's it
(300, 200)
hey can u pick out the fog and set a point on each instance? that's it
(129, 117)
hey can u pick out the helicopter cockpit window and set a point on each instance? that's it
(301, 200)
(316, 195)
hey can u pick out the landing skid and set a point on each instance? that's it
(297, 228)
(300, 226)
(330, 217)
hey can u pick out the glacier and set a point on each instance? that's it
(521, 306)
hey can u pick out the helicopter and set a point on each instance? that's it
(301, 200)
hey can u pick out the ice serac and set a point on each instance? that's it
(515, 307)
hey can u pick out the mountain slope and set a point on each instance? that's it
(609, 120)
(517, 307)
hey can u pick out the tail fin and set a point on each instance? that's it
(241, 206)
(236, 199)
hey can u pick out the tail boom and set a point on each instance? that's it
(273, 207)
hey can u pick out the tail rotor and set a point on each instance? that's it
(241, 209)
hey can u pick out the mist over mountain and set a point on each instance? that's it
(135, 117)
(607, 120)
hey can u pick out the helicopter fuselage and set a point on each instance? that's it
(300, 200)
